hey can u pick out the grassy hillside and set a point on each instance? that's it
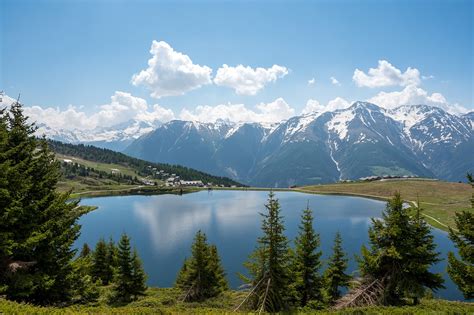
(167, 301)
(98, 165)
(440, 200)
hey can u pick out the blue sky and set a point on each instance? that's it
(61, 53)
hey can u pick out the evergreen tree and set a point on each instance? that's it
(138, 276)
(111, 259)
(181, 278)
(401, 253)
(85, 251)
(100, 266)
(39, 225)
(461, 270)
(5, 233)
(269, 265)
(334, 275)
(202, 276)
(216, 266)
(84, 287)
(307, 261)
(124, 280)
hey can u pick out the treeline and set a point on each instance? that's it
(110, 264)
(91, 153)
(72, 170)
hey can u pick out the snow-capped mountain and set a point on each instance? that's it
(117, 137)
(359, 141)
(319, 147)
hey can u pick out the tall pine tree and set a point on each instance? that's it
(401, 253)
(461, 270)
(123, 285)
(269, 264)
(39, 224)
(334, 275)
(130, 278)
(307, 261)
(100, 266)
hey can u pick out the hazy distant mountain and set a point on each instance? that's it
(359, 141)
(116, 138)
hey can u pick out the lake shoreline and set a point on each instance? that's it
(438, 223)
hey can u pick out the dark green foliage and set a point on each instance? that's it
(130, 277)
(95, 154)
(101, 268)
(306, 261)
(111, 258)
(84, 287)
(202, 276)
(334, 275)
(216, 266)
(401, 253)
(269, 264)
(461, 270)
(38, 224)
(85, 251)
(138, 275)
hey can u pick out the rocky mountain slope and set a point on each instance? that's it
(361, 140)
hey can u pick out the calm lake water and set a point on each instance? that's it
(162, 227)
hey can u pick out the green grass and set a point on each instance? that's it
(99, 166)
(167, 301)
(440, 200)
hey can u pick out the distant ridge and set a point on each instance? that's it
(91, 153)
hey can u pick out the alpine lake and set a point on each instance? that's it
(162, 228)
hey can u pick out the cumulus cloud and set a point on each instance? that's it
(413, 95)
(246, 80)
(275, 111)
(122, 107)
(171, 73)
(386, 75)
(334, 81)
(312, 81)
(315, 106)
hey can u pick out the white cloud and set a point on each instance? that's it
(386, 75)
(334, 81)
(246, 80)
(266, 112)
(315, 106)
(122, 107)
(312, 81)
(171, 73)
(413, 95)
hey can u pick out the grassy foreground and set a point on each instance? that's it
(440, 200)
(167, 301)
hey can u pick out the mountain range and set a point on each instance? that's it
(319, 147)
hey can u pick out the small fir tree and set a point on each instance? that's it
(216, 266)
(124, 279)
(202, 275)
(269, 264)
(100, 267)
(400, 255)
(307, 261)
(85, 251)
(138, 276)
(334, 275)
